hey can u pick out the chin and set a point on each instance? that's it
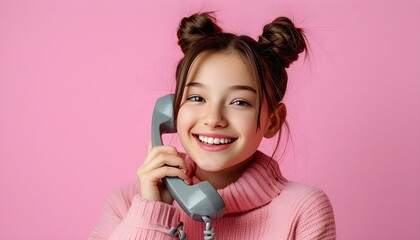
(209, 167)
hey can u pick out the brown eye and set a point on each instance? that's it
(195, 99)
(240, 103)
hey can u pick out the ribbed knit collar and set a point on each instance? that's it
(258, 185)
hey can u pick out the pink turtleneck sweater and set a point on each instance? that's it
(261, 204)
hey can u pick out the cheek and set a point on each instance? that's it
(184, 119)
(248, 126)
(245, 123)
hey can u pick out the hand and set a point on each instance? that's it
(162, 161)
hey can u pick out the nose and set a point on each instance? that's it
(214, 117)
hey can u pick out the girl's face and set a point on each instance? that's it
(217, 119)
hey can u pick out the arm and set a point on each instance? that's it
(144, 212)
(126, 216)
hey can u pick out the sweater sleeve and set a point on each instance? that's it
(126, 216)
(316, 217)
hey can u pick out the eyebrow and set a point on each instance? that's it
(234, 87)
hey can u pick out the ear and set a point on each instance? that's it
(277, 119)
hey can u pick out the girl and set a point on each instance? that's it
(228, 98)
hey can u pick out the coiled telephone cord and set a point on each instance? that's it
(208, 232)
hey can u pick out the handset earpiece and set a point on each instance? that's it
(197, 200)
(162, 119)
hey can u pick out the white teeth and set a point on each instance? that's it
(214, 141)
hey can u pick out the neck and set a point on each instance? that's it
(223, 178)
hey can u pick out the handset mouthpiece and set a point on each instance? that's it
(197, 200)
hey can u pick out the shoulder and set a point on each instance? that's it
(120, 199)
(297, 197)
(302, 198)
(309, 209)
(303, 192)
(125, 193)
(115, 208)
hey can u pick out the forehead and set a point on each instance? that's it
(223, 68)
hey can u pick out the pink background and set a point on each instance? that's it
(78, 80)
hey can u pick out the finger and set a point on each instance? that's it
(171, 172)
(152, 178)
(162, 160)
(156, 151)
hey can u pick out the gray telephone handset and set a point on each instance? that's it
(197, 200)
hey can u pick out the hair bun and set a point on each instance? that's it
(283, 39)
(194, 28)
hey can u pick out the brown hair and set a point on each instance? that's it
(277, 47)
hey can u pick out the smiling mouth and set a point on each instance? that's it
(214, 140)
